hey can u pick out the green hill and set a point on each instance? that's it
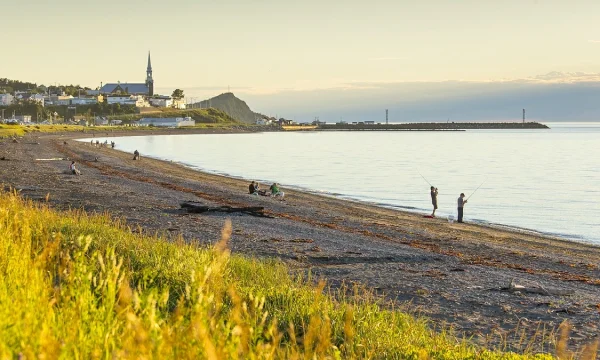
(233, 106)
(204, 116)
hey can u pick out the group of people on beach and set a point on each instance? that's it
(460, 202)
(254, 189)
(105, 143)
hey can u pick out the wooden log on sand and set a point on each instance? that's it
(198, 208)
(513, 287)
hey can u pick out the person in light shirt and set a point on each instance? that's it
(434, 194)
(74, 169)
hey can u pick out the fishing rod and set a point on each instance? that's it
(476, 189)
(424, 178)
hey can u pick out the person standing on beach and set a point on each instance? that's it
(461, 205)
(434, 194)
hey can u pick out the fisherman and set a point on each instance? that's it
(73, 169)
(434, 194)
(136, 155)
(112, 144)
(461, 204)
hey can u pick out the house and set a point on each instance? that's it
(179, 104)
(58, 99)
(263, 122)
(161, 101)
(26, 119)
(369, 122)
(86, 100)
(283, 121)
(166, 122)
(38, 98)
(136, 100)
(6, 99)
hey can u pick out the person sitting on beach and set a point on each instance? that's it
(73, 169)
(275, 190)
(136, 155)
(253, 188)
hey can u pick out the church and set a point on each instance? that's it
(144, 89)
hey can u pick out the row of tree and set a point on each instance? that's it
(40, 113)
(10, 86)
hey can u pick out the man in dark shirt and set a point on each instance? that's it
(254, 188)
(434, 194)
(461, 204)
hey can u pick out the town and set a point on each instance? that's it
(85, 106)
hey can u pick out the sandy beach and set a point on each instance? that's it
(455, 274)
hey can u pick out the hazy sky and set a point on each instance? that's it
(278, 46)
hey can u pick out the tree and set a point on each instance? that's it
(177, 94)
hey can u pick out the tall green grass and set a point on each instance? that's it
(74, 286)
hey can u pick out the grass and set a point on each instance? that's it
(210, 115)
(74, 286)
(21, 130)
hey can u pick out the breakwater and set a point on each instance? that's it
(432, 126)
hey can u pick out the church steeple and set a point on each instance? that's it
(149, 80)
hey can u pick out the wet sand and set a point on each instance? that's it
(455, 274)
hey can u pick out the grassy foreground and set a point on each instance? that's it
(79, 287)
(21, 130)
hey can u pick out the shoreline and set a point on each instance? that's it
(454, 274)
(519, 229)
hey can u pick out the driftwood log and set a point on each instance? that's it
(513, 287)
(198, 208)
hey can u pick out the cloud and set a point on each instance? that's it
(594, 41)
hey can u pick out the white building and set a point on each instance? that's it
(58, 99)
(38, 98)
(84, 101)
(263, 122)
(137, 100)
(167, 122)
(6, 99)
(161, 101)
(179, 104)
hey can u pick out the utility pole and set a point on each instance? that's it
(386, 116)
(523, 116)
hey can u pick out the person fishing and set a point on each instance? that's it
(461, 204)
(434, 194)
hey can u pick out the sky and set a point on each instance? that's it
(279, 55)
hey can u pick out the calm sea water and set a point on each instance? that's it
(544, 180)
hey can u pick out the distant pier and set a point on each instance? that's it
(454, 126)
